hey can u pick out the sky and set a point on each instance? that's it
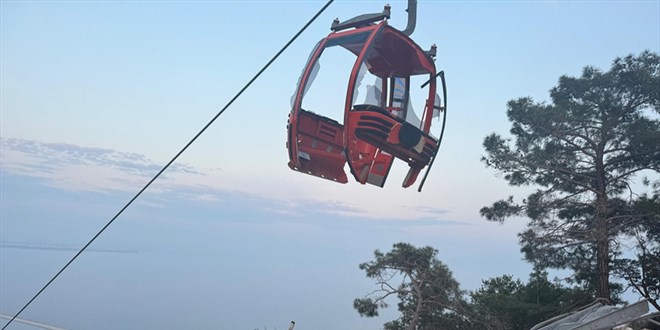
(96, 96)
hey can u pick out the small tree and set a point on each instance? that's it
(428, 293)
(497, 301)
(582, 151)
(507, 304)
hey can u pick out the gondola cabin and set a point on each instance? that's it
(379, 122)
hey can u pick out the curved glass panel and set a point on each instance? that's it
(325, 87)
(312, 75)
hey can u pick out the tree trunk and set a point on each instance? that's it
(602, 238)
(603, 266)
(602, 247)
(420, 302)
(602, 234)
(415, 320)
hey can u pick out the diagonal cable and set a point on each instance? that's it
(173, 158)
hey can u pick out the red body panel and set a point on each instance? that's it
(320, 147)
(377, 128)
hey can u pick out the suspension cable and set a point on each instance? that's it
(311, 20)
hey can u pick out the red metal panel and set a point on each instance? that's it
(320, 149)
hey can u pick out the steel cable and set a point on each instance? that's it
(173, 159)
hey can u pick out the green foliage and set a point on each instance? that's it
(642, 273)
(368, 307)
(504, 303)
(582, 152)
(429, 296)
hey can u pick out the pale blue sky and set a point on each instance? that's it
(96, 96)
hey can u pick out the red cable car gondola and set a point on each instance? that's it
(383, 125)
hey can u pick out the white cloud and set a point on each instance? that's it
(78, 168)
